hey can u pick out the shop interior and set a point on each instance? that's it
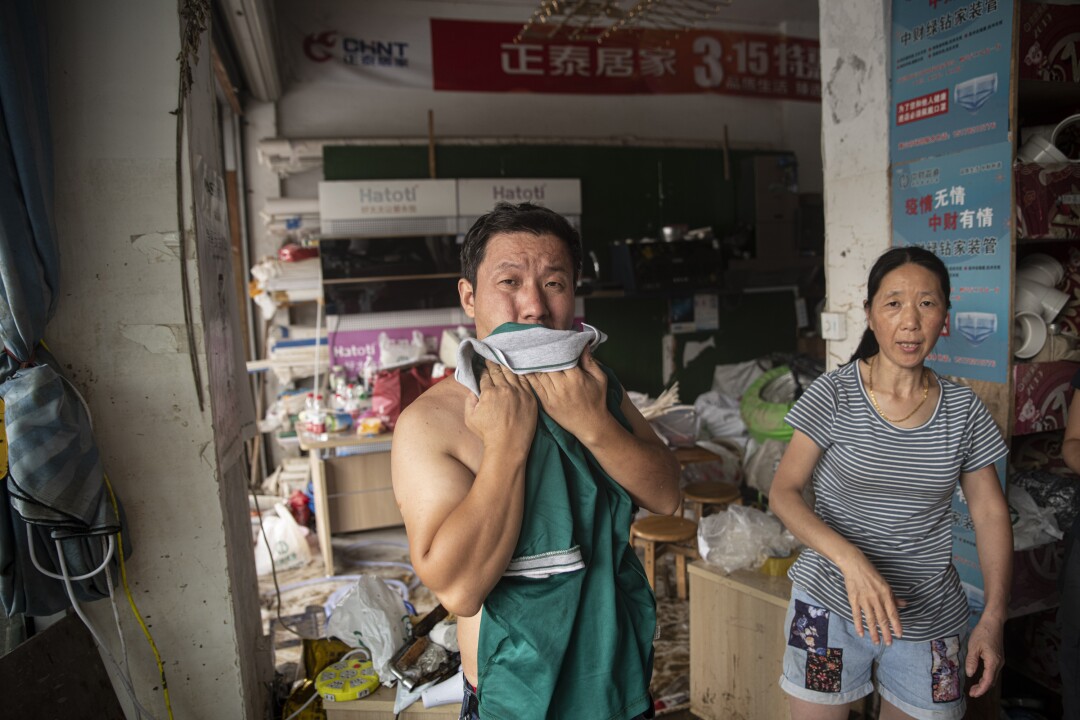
(247, 217)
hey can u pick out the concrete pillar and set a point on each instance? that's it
(855, 157)
(119, 331)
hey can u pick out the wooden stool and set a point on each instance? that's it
(700, 495)
(658, 533)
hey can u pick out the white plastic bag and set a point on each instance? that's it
(288, 542)
(372, 616)
(393, 353)
(761, 464)
(734, 379)
(448, 344)
(742, 537)
(1034, 525)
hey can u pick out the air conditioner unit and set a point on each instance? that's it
(387, 208)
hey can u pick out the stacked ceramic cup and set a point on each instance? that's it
(1037, 302)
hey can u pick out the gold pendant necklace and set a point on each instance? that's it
(870, 390)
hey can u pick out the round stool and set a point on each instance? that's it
(700, 495)
(658, 533)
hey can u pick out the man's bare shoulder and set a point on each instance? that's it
(431, 436)
(436, 418)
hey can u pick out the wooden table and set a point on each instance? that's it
(380, 706)
(737, 644)
(359, 485)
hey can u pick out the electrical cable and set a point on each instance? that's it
(131, 601)
(119, 543)
(273, 568)
(120, 632)
(54, 576)
(126, 681)
(316, 693)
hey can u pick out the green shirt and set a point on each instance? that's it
(577, 643)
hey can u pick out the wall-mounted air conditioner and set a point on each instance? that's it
(387, 208)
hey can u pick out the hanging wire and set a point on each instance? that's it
(600, 20)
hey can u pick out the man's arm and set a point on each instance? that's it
(1070, 448)
(462, 528)
(638, 460)
(993, 541)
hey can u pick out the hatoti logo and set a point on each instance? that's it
(316, 44)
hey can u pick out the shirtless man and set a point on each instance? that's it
(459, 461)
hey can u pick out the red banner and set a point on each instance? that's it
(472, 56)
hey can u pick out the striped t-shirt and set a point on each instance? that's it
(888, 490)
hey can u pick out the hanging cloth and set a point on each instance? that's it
(54, 488)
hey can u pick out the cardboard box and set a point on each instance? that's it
(1032, 644)
(1047, 200)
(1035, 578)
(1043, 392)
(359, 492)
(1048, 42)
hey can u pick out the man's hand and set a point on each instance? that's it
(871, 597)
(576, 399)
(504, 416)
(985, 644)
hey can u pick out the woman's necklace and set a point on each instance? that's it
(870, 390)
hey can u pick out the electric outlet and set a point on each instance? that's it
(833, 326)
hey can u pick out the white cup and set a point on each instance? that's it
(1029, 334)
(1051, 300)
(1043, 265)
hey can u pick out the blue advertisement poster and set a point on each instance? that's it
(949, 80)
(965, 554)
(959, 207)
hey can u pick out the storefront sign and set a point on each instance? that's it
(472, 56)
(353, 43)
(950, 76)
(478, 196)
(958, 207)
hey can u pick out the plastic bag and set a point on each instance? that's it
(719, 415)
(372, 616)
(393, 353)
(287, 540)
(734, 379)
(678, 425)
(449, 342)
(762, 463)
(1034, 525)
(726, 467)
(742, 537)
(395, 389)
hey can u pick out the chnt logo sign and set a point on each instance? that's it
(324, 46)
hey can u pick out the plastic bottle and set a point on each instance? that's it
(317, 420)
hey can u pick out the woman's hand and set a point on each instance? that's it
(871, 598)
(986, 645)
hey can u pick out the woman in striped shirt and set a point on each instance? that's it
(886, 444)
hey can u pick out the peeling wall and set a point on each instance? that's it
(119, 331)
(855, 157)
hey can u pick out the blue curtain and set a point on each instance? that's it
(54, 489)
